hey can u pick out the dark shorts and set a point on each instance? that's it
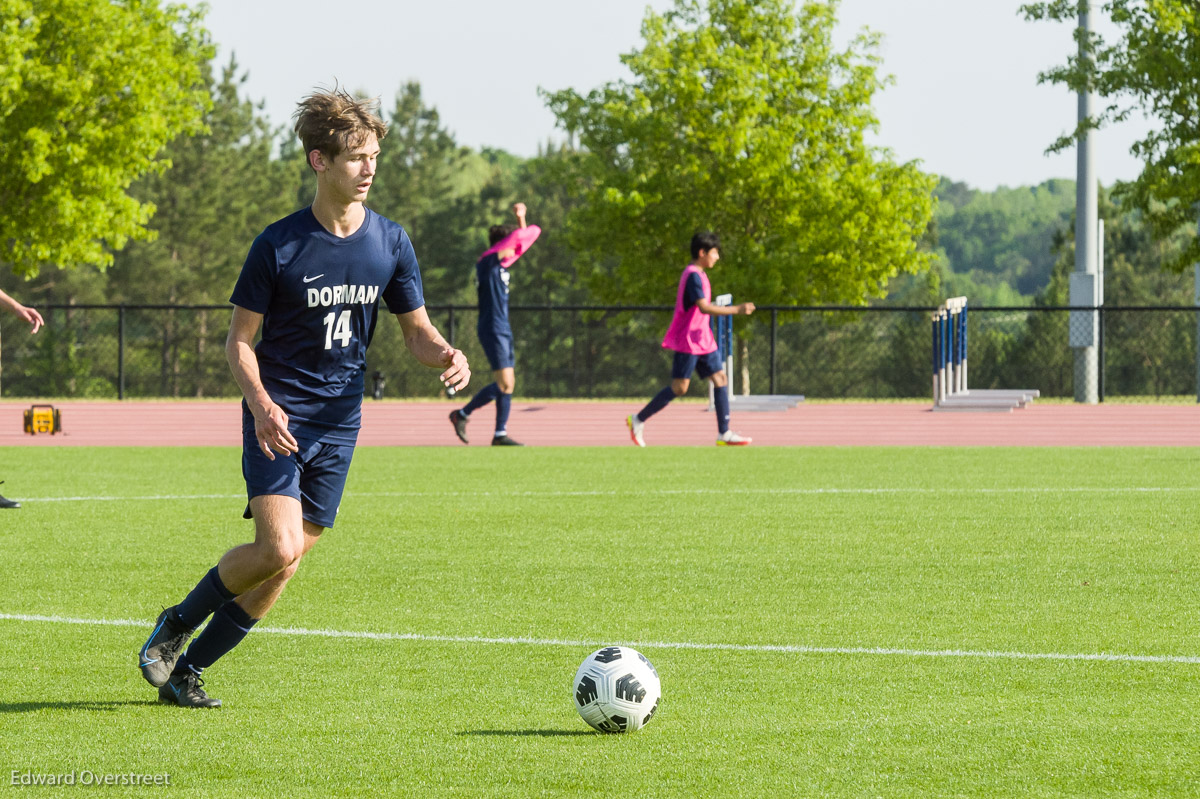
(316, 475)
(499, 349)
(704, 365)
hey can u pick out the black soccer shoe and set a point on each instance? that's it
(158, 655)
(186, 690)
(8, 503)
(460, 425)
(505, 441)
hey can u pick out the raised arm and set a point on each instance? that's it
(514, 245)
(270, 421)
(427, 346)
(24, 312)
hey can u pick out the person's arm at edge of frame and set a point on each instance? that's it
(23, 311)
(270, 421)
(427, 346)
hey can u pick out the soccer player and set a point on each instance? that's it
(312, 282)
(495, 332)
(35, 319)
(691, 338)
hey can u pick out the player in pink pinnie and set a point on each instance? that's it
(695, 347)
(495, 331)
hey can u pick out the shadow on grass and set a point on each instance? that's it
(89, 705)
(527, 733)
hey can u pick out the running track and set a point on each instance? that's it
(587, 423)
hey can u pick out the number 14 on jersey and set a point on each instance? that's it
(341, 331)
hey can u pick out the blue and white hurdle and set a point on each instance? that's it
(950, 391)
(722, 327)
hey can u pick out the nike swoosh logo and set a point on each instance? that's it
(308, 279)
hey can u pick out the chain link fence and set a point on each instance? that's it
(109, 352)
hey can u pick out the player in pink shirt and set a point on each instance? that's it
(495, 331)
(691, 338)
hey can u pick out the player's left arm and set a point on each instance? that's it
(427, 345)
(742, 309)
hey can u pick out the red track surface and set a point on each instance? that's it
(142, 423)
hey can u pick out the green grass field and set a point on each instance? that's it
(835, 622)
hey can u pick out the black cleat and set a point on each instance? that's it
(186, 690)
(158, 655)
(505, 441)
(8, 503)
(460, 425)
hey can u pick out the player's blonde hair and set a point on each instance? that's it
(334, 121)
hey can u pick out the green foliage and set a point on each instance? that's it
(742, 117)
(1150, 354)
(1152, 67)
(91, 91)
(1004, 237)
(222, 189)
(430, 185)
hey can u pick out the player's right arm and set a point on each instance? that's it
(270, 421)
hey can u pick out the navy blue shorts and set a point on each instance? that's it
(704, 365)
(316, 475)
(499, 350)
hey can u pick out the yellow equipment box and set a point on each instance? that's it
(43, 419)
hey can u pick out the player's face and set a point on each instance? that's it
(350, 174)
(708, 258)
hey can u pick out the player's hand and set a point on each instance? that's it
(272, 432)
(32, 317)
(459, 372)
(519, 210)
(746, 308)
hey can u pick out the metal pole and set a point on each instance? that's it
(1084, 283)
(774, 324)
(450, 327)
(933, 325)
(121, 352)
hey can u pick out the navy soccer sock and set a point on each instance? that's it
(485, 395)
(721, 404)
(660, 401)
(228, 627)
(208, 595)
(503, 407)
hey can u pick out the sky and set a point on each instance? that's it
(965, 100)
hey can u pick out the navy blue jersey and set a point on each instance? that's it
(693, 291)
(319, 295)
(492, 283)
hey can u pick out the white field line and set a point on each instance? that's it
(780, 648)
(642, 492)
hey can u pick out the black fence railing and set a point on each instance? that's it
(582, 351)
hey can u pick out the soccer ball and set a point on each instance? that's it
(617, 689)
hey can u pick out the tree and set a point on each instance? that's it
(90, 93)
(1152, 67)
(743, 118)
(222, 189)
(430, 185)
